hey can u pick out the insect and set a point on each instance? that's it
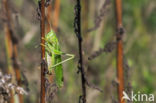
(53, 57)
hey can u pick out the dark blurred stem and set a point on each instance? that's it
(82, 73)
(119, 35)
(78, 33)
(42, 27)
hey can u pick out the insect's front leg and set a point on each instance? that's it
(45, 61)
(48, 72)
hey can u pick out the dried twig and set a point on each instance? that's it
(99, 18)
(42, 27)
(109, 47)
(13, 44)
(77, 26)
(119, 34)
(38, 10)
(6, 86)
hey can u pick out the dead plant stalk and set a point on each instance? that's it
(42, 27)
(119, 34)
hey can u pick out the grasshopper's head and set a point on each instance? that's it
(51, 38)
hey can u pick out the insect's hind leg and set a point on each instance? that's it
(57, 52)
(70, 57)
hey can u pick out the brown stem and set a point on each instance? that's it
(42, 27)
(11, 45)
(53, 17)
(49, 17)
(56, 14)
(17, 70)
(119, 35)
(9, 55)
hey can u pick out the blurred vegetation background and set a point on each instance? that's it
(139, 20)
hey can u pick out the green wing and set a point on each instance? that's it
(58, 71)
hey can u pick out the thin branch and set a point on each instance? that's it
(119, 34)
(109, 47)
(42, 27)
(99, 18)
(77, 26)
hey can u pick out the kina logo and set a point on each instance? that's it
(138, 97)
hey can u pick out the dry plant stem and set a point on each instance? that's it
(49, 18)
(82, 73)
(77, 25)
(56, 14)
(42, 27)
(9, 54)
(17, 70)
(119, 35)
(12, 49)
(53, 17)
(81, 67)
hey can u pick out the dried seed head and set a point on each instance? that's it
(6, 86)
